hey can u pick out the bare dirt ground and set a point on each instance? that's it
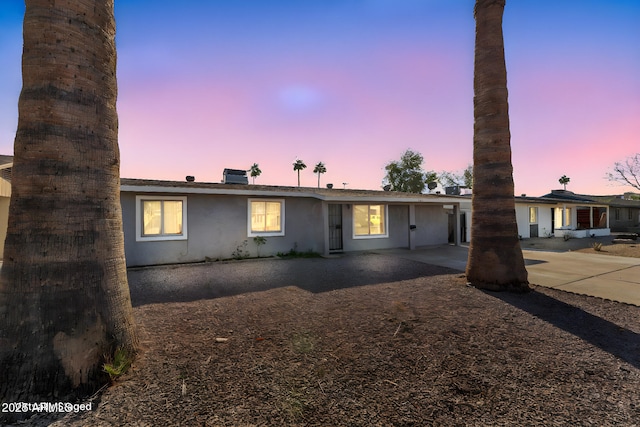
(630, 248)
(617, 249)
(425, 349)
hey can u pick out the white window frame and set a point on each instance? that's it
(162, 237)
(370, 236)
(251, 233)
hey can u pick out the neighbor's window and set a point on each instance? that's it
(567, 217)
(533, 215)
(370, 221)
(161, 218)
(266, 217)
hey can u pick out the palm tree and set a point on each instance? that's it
(298, 166)
(255, 172)
(319, 169)
(64, 294)
(495, 257)
(564, 180)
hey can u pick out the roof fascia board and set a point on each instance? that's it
(262, 193)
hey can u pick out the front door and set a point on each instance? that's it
(335, 227)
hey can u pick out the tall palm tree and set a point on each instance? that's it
(495, 257)
(255, 172)
(298, 166)
(64, 295)
(319, 169)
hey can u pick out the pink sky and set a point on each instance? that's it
(355, 83)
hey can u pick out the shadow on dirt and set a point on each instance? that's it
(614, 339)
(183, 283)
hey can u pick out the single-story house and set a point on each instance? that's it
(556, 214)
(625, 211)
(173, 222)
(169, 222)
(577, 216)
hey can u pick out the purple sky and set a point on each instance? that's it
(353, 83)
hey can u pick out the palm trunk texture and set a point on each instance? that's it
(495, 257)
(64, 295)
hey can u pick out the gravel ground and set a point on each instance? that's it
(190, 282)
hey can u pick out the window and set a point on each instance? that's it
(161, 218)
(617, 214)
(567, 217)
(369, 221)
(630, 214)
(266, 217)
(533, 215)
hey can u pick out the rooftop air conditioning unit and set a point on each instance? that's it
(235, 176)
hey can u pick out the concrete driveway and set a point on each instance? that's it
(603, 276)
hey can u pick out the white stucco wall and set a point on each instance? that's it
(544, 219)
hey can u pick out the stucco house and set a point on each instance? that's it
(169, 222)
(554, 215)
(625, 211)
(173, 222)
(578, 216)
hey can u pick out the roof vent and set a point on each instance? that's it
(235, 176)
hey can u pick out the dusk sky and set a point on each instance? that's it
(205, 85)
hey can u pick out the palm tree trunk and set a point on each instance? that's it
(64, 295)
(495, 257)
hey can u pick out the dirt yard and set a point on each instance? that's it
(426, 350)
(617, 249)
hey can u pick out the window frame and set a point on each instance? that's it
(385, 235)
(251, 232)
(140, 237)
(533, 215)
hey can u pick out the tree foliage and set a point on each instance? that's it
(319, 169)
(255, 172)
(407, 174)
(564, 180)
(463, 179)
(299, 165)
(627, 172)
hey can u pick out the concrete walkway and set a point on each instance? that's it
(603, 276)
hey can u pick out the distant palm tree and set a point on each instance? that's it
(298, 166)
(495, 257)
(564, 180)
(255, 172)
(319, 169)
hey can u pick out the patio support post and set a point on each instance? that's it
(325, 227)
(412, 232)
(456, 220)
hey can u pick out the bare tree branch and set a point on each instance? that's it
(627, 172)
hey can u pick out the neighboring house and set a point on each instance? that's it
(556, 214)
(536, 217)
(174, 222)
(578, 215)
(625, 211)
(6, 163)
